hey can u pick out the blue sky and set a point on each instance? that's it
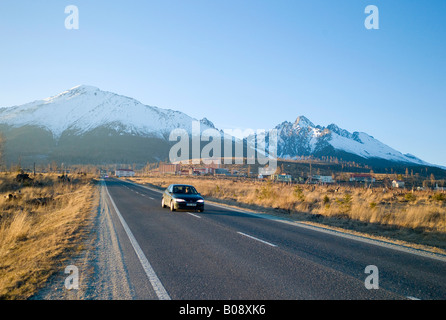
(243, 64)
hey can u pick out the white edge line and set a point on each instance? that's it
(265, 242)
(381, 243)
(153, 278)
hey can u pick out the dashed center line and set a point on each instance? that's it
(196, 216)
(265, 242)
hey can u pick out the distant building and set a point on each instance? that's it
(124, 173)
(281, 177)
(322, 179)
(397, 184)
(203, 171)
(184, 172)
(221, 171)
(169, 168)
(362, 177)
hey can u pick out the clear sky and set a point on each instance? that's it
(243, 64)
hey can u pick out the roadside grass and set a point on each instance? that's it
(417, 219)
(42, 223)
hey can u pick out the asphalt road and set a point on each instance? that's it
(226, 254)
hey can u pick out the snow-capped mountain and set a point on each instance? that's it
(87, 125)
(84, 108)
(303, 138)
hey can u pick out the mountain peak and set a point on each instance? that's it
(303, 121)
(342, 132)
(207, 122)
(305, 138)
(84, 108)
(84, 87)
(80, 89)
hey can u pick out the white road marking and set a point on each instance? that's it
(151, 198)
(153, 278)
(265, 242)
(412, 298)
(193, 215)
(381, 243)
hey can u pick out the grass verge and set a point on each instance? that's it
(42, 224)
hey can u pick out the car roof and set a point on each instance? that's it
(181, 185)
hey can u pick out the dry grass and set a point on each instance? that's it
(40, 227)
(418, 217)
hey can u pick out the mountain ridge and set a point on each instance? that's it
(86, 107)
(304, 138)
(74, 114)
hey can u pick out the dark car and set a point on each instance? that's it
(182, 196)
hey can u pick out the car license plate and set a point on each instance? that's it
(191, 204)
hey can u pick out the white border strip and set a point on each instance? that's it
(153, 278)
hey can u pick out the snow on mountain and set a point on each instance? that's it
(84, 108)
(303, 138)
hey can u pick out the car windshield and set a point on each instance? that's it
(184, 190)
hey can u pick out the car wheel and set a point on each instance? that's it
(172, 206)
(162, 203)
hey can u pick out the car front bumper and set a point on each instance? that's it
(189, 205)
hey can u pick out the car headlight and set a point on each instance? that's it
(201, 200)
(180, 200)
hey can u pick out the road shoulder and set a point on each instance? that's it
(101, 268)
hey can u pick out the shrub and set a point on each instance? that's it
(298, 193)
(410, 197)
(439, 197)
(346, 203)
(266, 191)
(326, 200)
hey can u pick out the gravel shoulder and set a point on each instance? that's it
(101, 268)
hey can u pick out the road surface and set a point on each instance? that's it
(225, 253)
